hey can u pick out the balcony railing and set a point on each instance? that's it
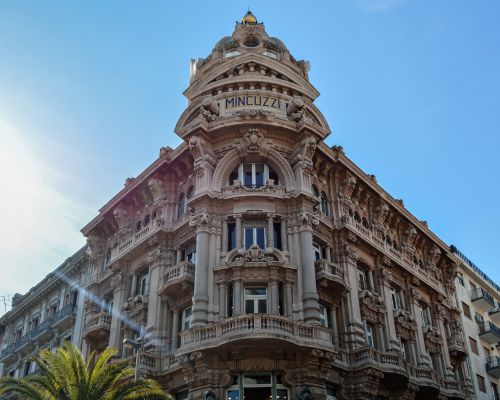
(97, 325)
(183, 268)
(493, 366)
(41, 328)
(7, 351)
(489, 332)
(64, 313)
(494, 314)
(132, 240)
(387, 361)
(481, 299)
(255, 326)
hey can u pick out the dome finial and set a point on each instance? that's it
(249, 18)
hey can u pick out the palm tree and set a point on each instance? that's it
(65, 375)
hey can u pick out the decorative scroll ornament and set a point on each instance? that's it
(209, 109)
(257, 113)
(295, 110)
(307, 218)
(200, 219)
(253, 138)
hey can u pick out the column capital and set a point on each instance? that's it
(237, 216)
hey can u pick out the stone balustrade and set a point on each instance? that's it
(256, 326)
(176, 271)
(399, 256)
(133, 239)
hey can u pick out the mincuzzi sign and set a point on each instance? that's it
(227, 104)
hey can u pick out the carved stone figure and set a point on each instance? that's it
(295, 111)
(209, 109)
(156, 188)
(121, 216)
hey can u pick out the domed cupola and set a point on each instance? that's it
(250, 75)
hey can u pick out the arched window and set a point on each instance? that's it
(181, 206)
(253, 175)
(325, 209)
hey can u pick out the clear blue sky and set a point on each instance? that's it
(89, 92)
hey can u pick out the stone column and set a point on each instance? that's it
(117, 282)
(334, 327)
(178, 258)
(200, 296)
(448, 369)
(222, 300)
(371, 283)
(381, 337)
(134, 285)
(422, 357)
(270, 230)
(274, 297)
(175, 328)
(224, 236)
(390, 326)
(288, 299)
(237, 297)
(76, 338)
(237, 231)
(310, 296)
(328, 255)
(284, 244)
(157, 257)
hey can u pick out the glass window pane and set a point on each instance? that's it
(259, 175)
(281, 394)
(256, 291)
(262, 306)
(257, 380)
(247, 174)
(274, 176)
(261, 238)
(248, 237)
(249, 307)
(233, 395)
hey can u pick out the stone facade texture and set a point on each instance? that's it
(256, 261)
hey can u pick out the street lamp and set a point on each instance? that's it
(136, 345)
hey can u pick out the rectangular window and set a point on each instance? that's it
(473, 345)
(460, 278)
(277, 235)
(425, 315)
(255, 235)
(395, 298)
(191, 256)
(323, 315)
(331, 393)
(363, 279)
(480, 383)
(187, 317)
(318, 252)
(370, 340)
(255, 300)
(466, 309)
(142, 283)
(472, 286)
(231, 236)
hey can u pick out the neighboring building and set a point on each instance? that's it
(49, 314)
(480, 303)
(257, 262)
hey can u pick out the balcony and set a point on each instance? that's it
(97, 326)
(42, 330)
(24, 342)
(263, 327)
(7, 353)
(452, 388)
(178, 278)
(64, 318)
(456, 346)
(482, 300)
(494, 314)
(489, 332)
(493, 366)
(392, 363)
(425, 378)
(330, 275)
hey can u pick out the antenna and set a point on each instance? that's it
(5, 299)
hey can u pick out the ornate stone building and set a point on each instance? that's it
(257, 262)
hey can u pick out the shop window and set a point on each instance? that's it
(257, 387)
(255, 300)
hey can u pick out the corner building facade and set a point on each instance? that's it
(257, 262)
